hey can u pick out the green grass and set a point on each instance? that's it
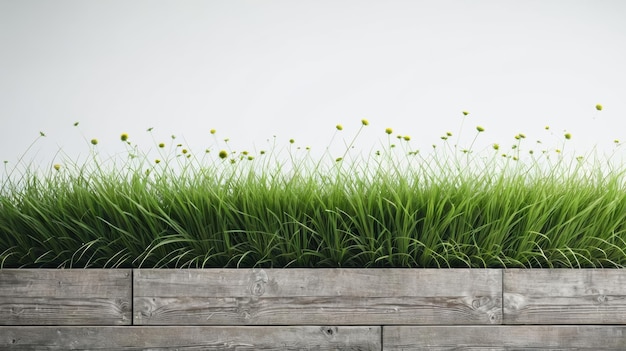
(391, 207)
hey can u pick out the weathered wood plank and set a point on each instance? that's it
(317, 296)
(564, 296)
(191, 338)
(548, 337)
(65, 297)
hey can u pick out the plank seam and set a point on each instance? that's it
(132, 297)
(502, 296)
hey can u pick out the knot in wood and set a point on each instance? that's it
(479, 302)
(258, 281)
(493, 317)
(258, 289)
(329, 331)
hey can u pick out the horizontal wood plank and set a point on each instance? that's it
(65, 297)
(317, 296)
(564, 296)
(191, 338)
(458, 338)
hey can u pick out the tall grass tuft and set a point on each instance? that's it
(393, 207)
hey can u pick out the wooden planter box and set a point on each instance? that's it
(322, 309)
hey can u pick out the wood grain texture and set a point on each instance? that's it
(317, 296)
(459, 338)
(191, 338)
(564, 296)
(65, 297)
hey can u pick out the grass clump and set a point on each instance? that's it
(393, 207)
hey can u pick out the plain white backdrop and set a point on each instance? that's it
(296, 68)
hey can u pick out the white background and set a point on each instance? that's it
(296, 68)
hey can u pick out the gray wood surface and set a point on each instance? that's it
(564, 296)
(317, 296)
(191, 338)
(458, 338)
(65, 297)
